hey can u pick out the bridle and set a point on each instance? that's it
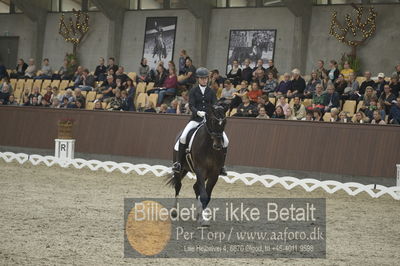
(210, 132)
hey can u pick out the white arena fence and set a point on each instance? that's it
(330, 186)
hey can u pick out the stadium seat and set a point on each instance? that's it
(360, 80)
(55, 83)
(234, 111)
(272, 100)
(141, 100)
(45, 84)
(153, 98)
(359, 105)
(20, 84)
(89, 105)
(307, 102)
(104, 105)
(327, 117)
(28, 86)
(38, 84)
(349, 107)
(63, 85)
(90, 96)
(150, 86)
(13, 83)
(84, 93)
(141, 87)
(132, 76)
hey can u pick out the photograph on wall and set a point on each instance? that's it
(251, 44)
(159, 40)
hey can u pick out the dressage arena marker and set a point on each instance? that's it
(330, 186)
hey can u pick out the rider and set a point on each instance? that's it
(200, 98)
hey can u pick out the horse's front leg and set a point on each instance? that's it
(203, 199)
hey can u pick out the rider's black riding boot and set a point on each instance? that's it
(223, 170)
(177, 167)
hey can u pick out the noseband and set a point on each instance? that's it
(215, 134)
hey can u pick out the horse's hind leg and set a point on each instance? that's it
(196, 189)
(178, 185)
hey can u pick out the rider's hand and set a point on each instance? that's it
(201, 113)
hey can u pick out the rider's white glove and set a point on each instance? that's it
(201, 113)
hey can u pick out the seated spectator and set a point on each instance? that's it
(331, 98)
(101, 70)
(149, 108)
(169, 86)
(380, 84)
(116, 102)
(259, 77)
(247, 71)
(386, 99)
(46, 72)
(144, 70)
(346, 71)
(163, 108)
(290, 115)
(299, 110)
(108, 86)
(343, 117)
(377, 119)
(87, 81)
(35, 101)
(284, 86)
(352, 87)
(271, 69)
(246, 108)
(119, 84)
(372, 106)
(30, 71)
(69, 96)
(65, 103)
(255, 92)
(62, 72)
(334, 115)
(174, 108)
(309, 116)
(394, 112)
(395, 85)
(270, 84)
(278, 114)
(216, 79)
(26, 101)
(44, 103)
(298, 85)
(184, 103)
(56, 95)
(12, 101)
(112, 65)
(367, 83)
(8, 84)
(237, 99)
(397, 71)
(262, 114)
(340, 84)
(189, 78)
(159, 79)
(259, 66)
(360, 118)
(35, 93)
(311, 84)
(235, 74)
(19, 69)
(55, 103)
(282, 102)
(182, 61)
(119, 74)
(131, 91)
(48, 95)
(227, 92)
(125, 101)
(3, 71)
(263, 102)
(317, 115)
(77, 76)
(4, 95)
(98, 105)
(333, 72)
(79, 97)
(322, 73)
(368, 96)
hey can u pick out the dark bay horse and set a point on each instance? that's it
(207, 159)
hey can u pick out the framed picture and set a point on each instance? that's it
(251, 44)
(159, 40)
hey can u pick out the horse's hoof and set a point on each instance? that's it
(174, 214)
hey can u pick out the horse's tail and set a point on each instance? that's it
(172, 179)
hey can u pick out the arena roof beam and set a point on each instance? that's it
(201, 10)
(302, 10)
(36, 11)
(114, 10)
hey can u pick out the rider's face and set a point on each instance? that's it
(203, 81)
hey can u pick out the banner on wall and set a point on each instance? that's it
(159, 40)
(251, 44)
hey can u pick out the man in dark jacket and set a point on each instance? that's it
(200, 98)
(332, 99)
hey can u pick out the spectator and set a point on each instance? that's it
(340, 84)
(278, 114)
(30, 71)
(380, 84)
(377, 119)
(368, 96)
(12, 101)
(174, 108)
(131, 91)
(149, 108)
(171, 64)
(119, 74)
(216, 81)
(107, 89)
(386, 99)
(259, 77)
(68, 95)
(112, 65)
(299, 110)
(242, 91)
(310, 88)
(101, 70)
(247, 71)
(367, 82)
(282, 102)
(35, 93)
(331, 98)
(395, 112)
(56, 95)
(317, 115)
(119, 84)
(6, 83)
(169, 86)
(352, 87)
(271, 69)
(372, 106)
(346, 71)
(55, 103)
(334, 115)
(79, 97)
(116, 102)
(4, 95)
(270, 84)
(284, 86)
(189, 78)
(397, 71)
(62, 71)
(3, 71)
(44, 103)
(184, 103)
(290, 115)
(255, 92)
(46, 72)
(163, 108)
(26, 101)
(395, 85)
(309, 116)
(35, 101)
(262, 113)
(144, 70)
(72, 68)
(259, 66)
(125, 101)
(333, 73)
(322, 73)
(48, 95)
(87, 81)
(235, 73)
(360, 118)
(182, 61)
(19, 69)
(227, 92)
(343, 117)
(263, 102)
(98, 105)
(246, 108)
(298, 85)
(159, 80)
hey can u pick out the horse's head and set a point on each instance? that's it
(215, 123)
